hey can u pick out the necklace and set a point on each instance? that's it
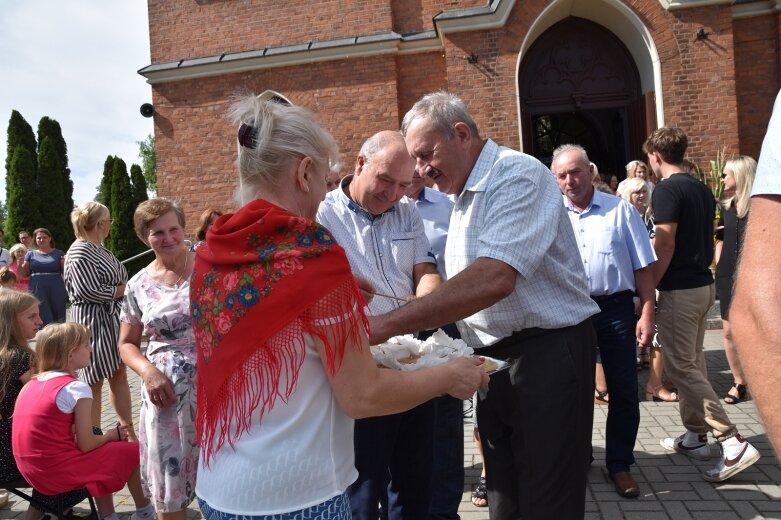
(176, 285)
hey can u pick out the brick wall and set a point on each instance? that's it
(757, 79)
(720, 97)
(184, 29)
(196, 144)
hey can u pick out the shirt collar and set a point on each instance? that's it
(351, 204)
(478, 177)
(597, 200)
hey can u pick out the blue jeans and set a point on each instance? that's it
(615, 328)
(393, 456)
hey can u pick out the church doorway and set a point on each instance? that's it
(579, 84)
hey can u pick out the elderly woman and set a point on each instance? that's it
(95, 281)
(636, 170)
(18, 252)
(636, 193)
(738, 180)
(283, 352)
(44, 267)
(157, 305)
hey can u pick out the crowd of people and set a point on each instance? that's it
(260, 396)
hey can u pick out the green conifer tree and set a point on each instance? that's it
(104, 191)
(50, 198)
(19, 133)
(122, 240)
(139, 185)
(50, 128)
(21, 187)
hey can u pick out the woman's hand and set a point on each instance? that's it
(122, 432)
(119, 292)
(159, 388)
(467, 376)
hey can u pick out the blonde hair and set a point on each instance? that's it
(631, 186)
(15, 248)
(743, 170)
(55, 343)
(12, 304)
(85, 217)
(632, 166)
(271, 137)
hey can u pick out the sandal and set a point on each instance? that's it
(656, 395)
(731, 399)
(480, 494)
(601, 396)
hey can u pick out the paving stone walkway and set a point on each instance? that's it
(671, 484)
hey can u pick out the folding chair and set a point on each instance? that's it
(54, 505)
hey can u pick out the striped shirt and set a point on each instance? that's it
(510, 210)
(92, 274)
(382, 249)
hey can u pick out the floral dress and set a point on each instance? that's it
(169, 449)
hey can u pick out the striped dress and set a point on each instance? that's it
(92, 274)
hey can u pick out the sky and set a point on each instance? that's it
(76, 61)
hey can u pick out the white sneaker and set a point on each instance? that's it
(699, 452)
(727, 467)
(3, 499)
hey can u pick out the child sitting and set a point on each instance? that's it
(50, 408)
(7, 278)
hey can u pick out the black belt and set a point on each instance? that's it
(605, 297)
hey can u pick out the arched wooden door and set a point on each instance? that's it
(579, 84)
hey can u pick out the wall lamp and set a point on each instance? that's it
(147, 110)
(702, 34)
(472, 58)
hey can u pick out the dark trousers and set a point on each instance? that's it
(447, 482)
(615, 327)
(535, 421)
(393, 456)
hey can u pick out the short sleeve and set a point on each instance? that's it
(70, 394)
(768, 178)
(665, 203)
(131, 311)
(20, 362)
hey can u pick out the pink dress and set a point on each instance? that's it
(46, 452)
(22, 284)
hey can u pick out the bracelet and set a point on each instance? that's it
(119, 435)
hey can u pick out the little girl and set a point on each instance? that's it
(19, 321)
(50, 408)
(7, 278)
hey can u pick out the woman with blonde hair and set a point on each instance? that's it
(95, 281)
(738, 177)
(636, 169)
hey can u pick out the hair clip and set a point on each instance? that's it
(247, 135)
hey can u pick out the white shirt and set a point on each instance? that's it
(299, 455)
(768, 178)
(435, 208)
(510, 210)
(68, 395)
(383, 249)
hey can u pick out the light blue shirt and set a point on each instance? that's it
(382, 249)
(435, 209)
(510, 210)
(612, 241)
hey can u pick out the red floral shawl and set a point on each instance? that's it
(263, 279)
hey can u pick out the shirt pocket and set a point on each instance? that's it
(606, 240)
(403, 251)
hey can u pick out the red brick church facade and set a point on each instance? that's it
(534, 73)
